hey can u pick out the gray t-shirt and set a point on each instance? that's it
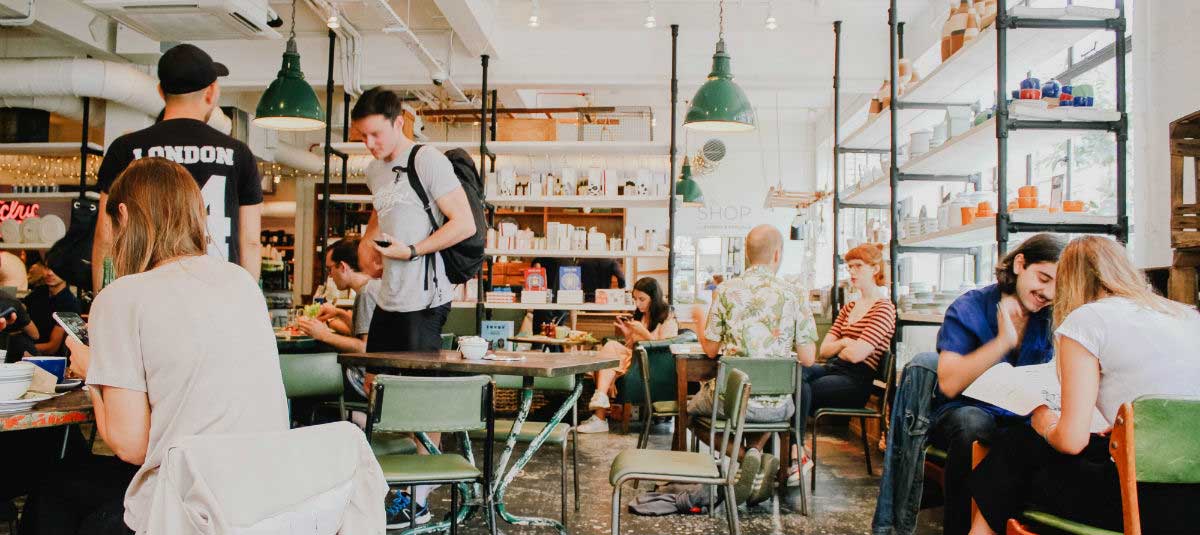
(402, 216)
(1141, 351)
(195, 336)
(364, 310)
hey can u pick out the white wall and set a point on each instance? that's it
(1164, 81)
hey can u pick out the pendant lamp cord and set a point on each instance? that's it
(721, 32)
(292, 28)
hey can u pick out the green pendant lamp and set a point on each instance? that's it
(290, 103)
(720, 105)
(688, 188)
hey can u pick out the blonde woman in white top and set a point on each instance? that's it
(1116, 340)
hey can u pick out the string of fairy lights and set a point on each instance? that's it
(37, 173)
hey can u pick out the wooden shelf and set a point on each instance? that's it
(581, 201)
(533, 148)
(879, 191)
(983, 231)
(970, 74)
(56, 196)
(586, 307)
(55, 148)
(574, 254)
(925, 318)
(975, 150)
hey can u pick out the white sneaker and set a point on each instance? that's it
(798, 474)
(593, 425)
(599, 401)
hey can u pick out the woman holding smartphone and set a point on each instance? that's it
(652, 320)
(181, 345)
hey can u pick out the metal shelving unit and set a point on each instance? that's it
(956, 81)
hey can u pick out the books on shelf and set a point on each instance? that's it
(570, 297)
(535, 297)
(503, 296)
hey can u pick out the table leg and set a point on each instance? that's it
(681, 419)
(505, 476)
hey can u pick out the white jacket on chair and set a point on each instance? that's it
(319, 480)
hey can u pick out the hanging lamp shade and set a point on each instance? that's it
(720, 105)
(289, 103)
(688, 188)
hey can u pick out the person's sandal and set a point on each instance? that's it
(764, 481)
(747, 472)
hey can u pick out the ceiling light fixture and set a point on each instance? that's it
(289, 103)
(650, 20)
(534, 15)
(720, 105)
(771, 24)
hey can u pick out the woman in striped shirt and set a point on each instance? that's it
(858, 339)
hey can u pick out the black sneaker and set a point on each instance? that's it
(398, 511)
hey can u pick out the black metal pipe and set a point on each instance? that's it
(859, 206)
(845, 150)
(495, 99)
(928, 105)
(1002, 127)
(83, 148)
(324, 243)
(900, 39)
(1122, 132)
(1067, 228)
(671, 157)
(911, 177)
(1024, 124)
(894, 171)
(483, 125)
(345, 138)
(904, 249)
(1058, 24)
(837, 206)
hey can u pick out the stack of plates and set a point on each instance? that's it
(23, 403)
(14, 380)
(10, 231)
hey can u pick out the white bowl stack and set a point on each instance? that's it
(15, 379)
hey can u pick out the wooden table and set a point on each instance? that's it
(72, 408)
(548, 341)
(689, 368)
(534, 364)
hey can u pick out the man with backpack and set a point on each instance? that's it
(425, 233)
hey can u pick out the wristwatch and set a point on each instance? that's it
(412, 253)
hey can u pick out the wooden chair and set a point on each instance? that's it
(1153, 441)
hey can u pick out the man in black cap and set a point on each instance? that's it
(223, 167)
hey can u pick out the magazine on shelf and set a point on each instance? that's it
(1021, 389)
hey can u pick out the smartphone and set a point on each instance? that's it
(383, 243)
(74, 325)
(7, 312)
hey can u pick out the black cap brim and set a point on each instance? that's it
(220, 69)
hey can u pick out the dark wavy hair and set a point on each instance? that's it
(377, 100)
(659, 309)
(1037, 249)
(345, 250)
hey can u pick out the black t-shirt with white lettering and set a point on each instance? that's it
(223, 167)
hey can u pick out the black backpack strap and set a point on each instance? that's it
(415, 182)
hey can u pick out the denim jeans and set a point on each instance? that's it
(904, 460)
(831, 385)
(954, 430)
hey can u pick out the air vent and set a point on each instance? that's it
(187, 20)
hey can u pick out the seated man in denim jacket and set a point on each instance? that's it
(1008, 321)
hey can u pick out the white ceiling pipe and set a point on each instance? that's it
(70, 107)
(438, 72)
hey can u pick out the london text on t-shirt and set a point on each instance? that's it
(223, 167)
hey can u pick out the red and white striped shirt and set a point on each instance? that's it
(876, 328)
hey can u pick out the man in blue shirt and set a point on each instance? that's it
(1007, 321)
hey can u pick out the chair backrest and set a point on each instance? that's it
(884, 375)
(565, 383)
(1166, 440)
(736, 389)
(634, 388)
(308, 374)
(770, 376)
(430, 404)
(448, 340)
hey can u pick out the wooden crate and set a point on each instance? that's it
(1185, 210)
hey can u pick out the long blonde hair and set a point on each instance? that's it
(165, 215)
(1094, 267)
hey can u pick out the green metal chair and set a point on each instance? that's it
(561, 434)
(448, 340)
(313, 375)
(686, 466)
(881, 384)
(770, 377)
(1153, 441)
(657, 395)
(436, 404)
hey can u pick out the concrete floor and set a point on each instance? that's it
(844, 502)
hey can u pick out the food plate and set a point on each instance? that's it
(23, 403)
(68, 385)
(10, 231)
(31, 230)
(52, 229)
